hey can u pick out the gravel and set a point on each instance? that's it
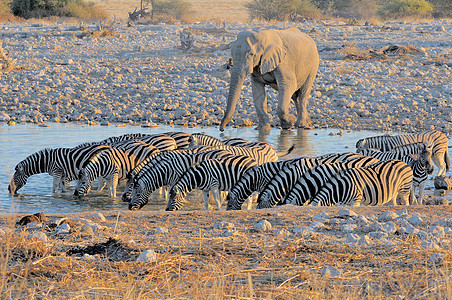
(139, 75)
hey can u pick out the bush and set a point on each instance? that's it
(405, 8)
(62, 8)
(271, 9)
(308, 9)
(5, 8)
(178, 9)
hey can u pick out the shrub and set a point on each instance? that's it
(47, 8)
(308, 9)
(178, 9)
(5, 8)
(271, 9)
(405, 8)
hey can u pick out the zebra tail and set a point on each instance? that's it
(447, 160)
(287, 152)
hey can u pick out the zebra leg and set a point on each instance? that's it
(250, 200)
(217, 198)
(439, 162)
(205, 196)
(413, 199)
(420, 200)
(57, 181)
(101, 183)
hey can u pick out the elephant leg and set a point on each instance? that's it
(304, 92)
(285, 95)
(260, 103)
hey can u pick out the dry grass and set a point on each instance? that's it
(195, 261)
(204, 10)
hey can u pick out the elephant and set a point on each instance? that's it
(287, 60)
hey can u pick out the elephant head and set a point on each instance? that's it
(251, 52)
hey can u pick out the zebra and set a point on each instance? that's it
(182, 139)
(440, 155)
(422, 166)
(60, 163)
(151, 162)
(161, 141)
(111, 165)
(235, 142)
(377, 184)
(396, 153)
(281, 184)
(210, 175)
(152, 176)
(197, 139)
(312, 180)
(257, 178)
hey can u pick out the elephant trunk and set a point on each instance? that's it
(235, 87)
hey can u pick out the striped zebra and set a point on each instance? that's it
(257, 178)
(210, 175)
(138, 148)
(422, 166)
(235, 142)
(198, 139)
(440, 155)
(161, 141)
(281, 184)
(396, 153)
(62, 164)
(151, 163)
(152, 177)
(376, 184)
(182, 139)
(311, 181)
(110, 165)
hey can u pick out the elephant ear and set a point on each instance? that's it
(271, 58)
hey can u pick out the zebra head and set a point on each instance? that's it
(233, 201)
(138, 197)
(19, 179)
(83, 185)
(127, 195)
(361, 145)
(175, 201)
(425, 158)
(193, 141)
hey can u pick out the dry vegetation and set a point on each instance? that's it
(197, 261)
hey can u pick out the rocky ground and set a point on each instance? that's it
(139, 74)
(283, 253)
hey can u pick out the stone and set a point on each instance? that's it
(346, 213)
(330, 272)
(387, 216)
(378, 235)
(63, 229)
(348, 227)
(147, 256)
(429, 245)
(160, 230)
(228, 233)
(39, 235)
(443, 222)
(415, 220)
(321, 217)
(437, 231)
(352, 238)
(98, 216)
(316, 226)
(282, 232)
(443, 182)
(94, 226)
(263, 225)
(223, 225)
(364, 241)
(437, 258)
(303, 231)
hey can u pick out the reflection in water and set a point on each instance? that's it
(18, 142)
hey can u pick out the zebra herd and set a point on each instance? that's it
(384, 169)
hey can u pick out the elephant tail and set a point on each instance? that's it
(280, 154)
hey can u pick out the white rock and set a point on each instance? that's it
(228, 233)
(409, 229)
(147, 256)
(263, 225)
(223, 225)
(39, 235)
(378, 234)
(330, 272)
(58, 221)
(321, 217)
(348, 227)
(34, 225)
(402, 212)
(448, 231)
(364, 241)
(281, 232)
(98, 216)
(362, 221)
(63, 229)
(160, 230)
(303, 231)
(94, 226)
(415, 220)
(316, 226)
(346, 213)
(437, 231)
(443, 222)
(389, 227)
(353, 238)
(387, 216)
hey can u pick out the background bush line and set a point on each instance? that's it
(270, 10)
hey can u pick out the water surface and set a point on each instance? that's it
(18, 142)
